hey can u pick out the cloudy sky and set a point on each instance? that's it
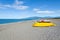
(29, 8)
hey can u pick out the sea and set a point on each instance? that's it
(3, 21)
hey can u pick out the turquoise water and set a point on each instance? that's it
(3, 21)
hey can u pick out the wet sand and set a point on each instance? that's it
(25, 31)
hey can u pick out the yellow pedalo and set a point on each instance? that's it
(43, 24)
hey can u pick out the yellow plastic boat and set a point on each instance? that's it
(43, 24)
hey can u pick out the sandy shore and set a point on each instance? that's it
(25, 31)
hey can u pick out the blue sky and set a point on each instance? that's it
(29, 8)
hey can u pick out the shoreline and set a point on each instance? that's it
(7, 25)
(25, 31)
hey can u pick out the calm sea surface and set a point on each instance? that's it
(3, 21)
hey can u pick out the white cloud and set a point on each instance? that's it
(9, 6)
(35, 9)
(2, 7)
(20, 7)
(16, 5)
(19, 2)
(45, 11)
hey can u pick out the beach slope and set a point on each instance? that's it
(25, 31)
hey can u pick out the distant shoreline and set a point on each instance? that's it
(28, 20)
(19, 23)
